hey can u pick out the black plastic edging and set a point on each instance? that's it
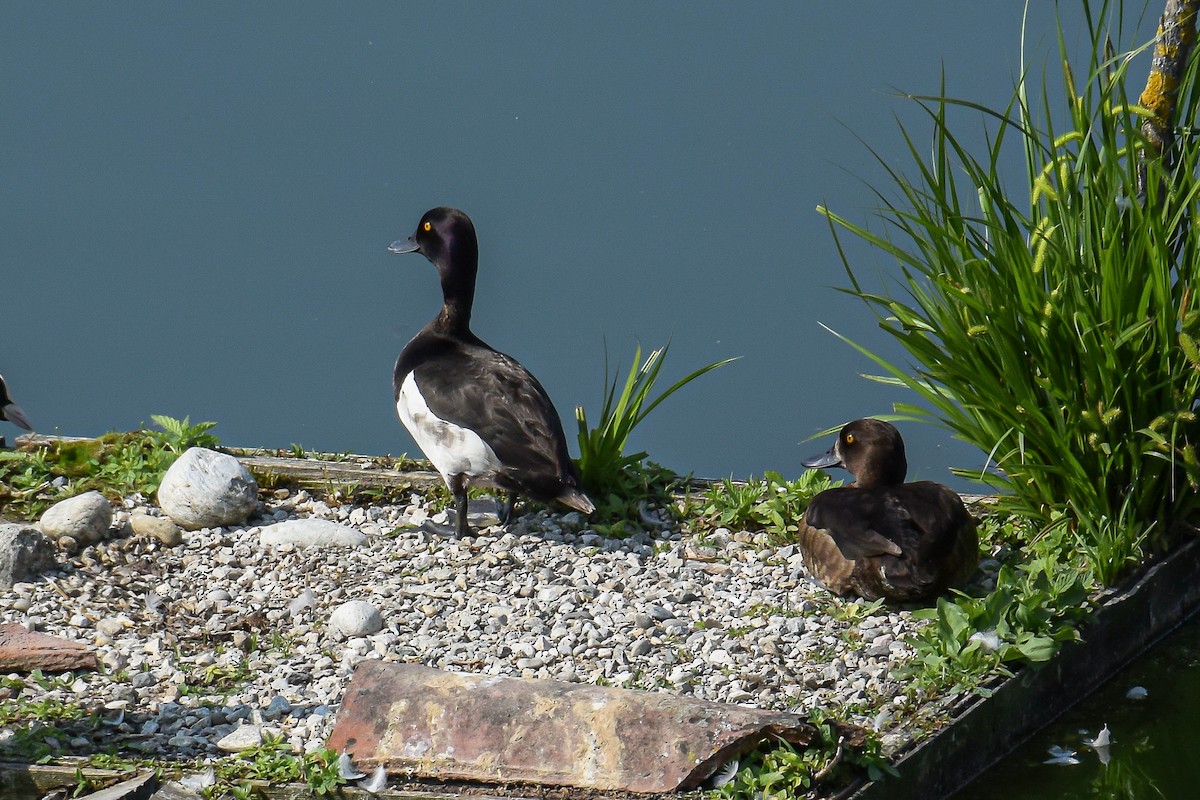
(1123, 628)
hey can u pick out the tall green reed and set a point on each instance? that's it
(612, 477)
(1055, 327)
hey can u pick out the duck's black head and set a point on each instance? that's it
(446, 237)
(869, 449)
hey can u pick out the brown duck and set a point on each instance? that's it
(879, 536)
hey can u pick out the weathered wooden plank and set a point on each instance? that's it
(361, 471)
(324, 470)
(138, 787)
(19, 781)
(321, 471)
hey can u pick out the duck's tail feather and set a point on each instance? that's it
(573, 498)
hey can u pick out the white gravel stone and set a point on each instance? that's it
(312, 533)
(356, 618)
(160, 528)
(242, 738)
(84, 518)
(207, 489)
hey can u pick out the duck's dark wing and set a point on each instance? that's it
(934, 511)
(491, 394)
(948, 544)
(855, 520)
(840, 542)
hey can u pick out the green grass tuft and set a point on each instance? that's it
(614, 479)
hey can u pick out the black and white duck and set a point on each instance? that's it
(478, 415)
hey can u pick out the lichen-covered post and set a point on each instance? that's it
(1173, 45)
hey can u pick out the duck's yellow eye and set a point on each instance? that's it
(428, 226)
(849, 438)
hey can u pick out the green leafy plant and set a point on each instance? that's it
(321, 771)
(777, 769)
(613, 478)
(111, 761)
(83, 785)
(774, 503)
(45, 709)
(1033, 610)
(116, 464)
(274, 763)
(1055, 328)
(731, 504)
(217, 679)
(179, 435)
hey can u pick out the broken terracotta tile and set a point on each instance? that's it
(461, 726)
(22, 650)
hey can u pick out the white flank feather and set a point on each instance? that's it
(347, 770)
(453, 450)
(377, 782)
(725, 774)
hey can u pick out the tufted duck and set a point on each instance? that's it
(478, 415)
(880, 536)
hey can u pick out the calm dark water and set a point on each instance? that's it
(1153, 754)
(196, 201)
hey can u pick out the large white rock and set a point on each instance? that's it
(25, 554)
(207, 489)
(356, 618)
(312, 533)
(85, 518)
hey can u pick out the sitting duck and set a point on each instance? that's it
(879, 536)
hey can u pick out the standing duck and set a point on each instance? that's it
(10, 410)
(477, 414)
(879, 536)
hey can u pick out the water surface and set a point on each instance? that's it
(1154, 738)
(197, 200)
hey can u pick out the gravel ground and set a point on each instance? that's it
(222, 632)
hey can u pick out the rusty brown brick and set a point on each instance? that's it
(23, 651)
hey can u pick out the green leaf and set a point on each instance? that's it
(1036, 648)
